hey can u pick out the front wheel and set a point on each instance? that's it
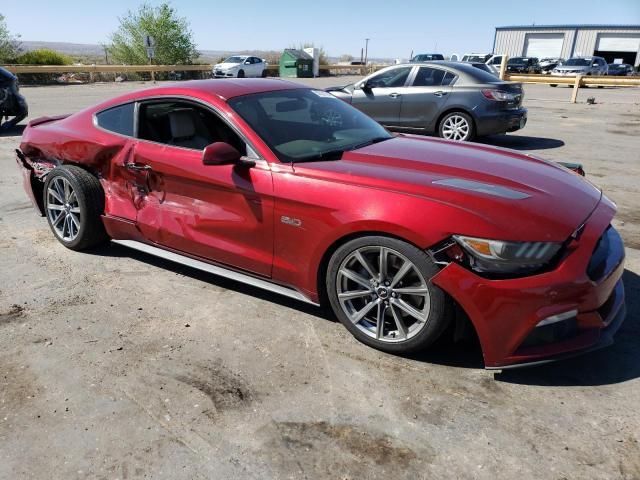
(380, 289)
(241, 74)
(456, 126)
(74, 202)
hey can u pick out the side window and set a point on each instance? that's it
(117, 119)
(428, 77)
(396, 77)
(184, 124)
(448, 78)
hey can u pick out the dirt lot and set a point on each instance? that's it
(114, 364)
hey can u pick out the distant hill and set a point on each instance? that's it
(95, 53)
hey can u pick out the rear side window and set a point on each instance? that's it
(428, 77)
(448, 78)
(117, 119)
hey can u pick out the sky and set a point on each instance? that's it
(395, 28)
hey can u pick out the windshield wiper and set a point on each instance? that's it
(369, 142)
(328, 155)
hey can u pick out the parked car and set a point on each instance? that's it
(426, 57)
(581, 66)
(620, 69)
(241, 66)
(13, 106)
(289, 189)
(523, 65)
(492, 61)
(451, 99)
(548, 64)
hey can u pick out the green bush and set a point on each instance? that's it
(43, 56)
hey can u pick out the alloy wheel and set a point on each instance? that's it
(63, 209)
(383, 294)
(456, 127)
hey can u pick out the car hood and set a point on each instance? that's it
(511, 195)
(225, 66)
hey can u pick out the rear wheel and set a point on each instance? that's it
(73, 202)
(380, 289)
(553, 84)
(456, 126)
(264, 73)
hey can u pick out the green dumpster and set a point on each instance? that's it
(296, 63)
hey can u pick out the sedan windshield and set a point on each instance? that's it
(306, 125)
(517, 61)
(234, 60)
(577, 62)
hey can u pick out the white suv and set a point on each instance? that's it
(241, 66)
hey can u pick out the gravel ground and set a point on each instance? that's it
(114, 364)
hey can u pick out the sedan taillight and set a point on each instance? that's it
(498, 95)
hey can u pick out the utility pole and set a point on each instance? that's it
(366, 49)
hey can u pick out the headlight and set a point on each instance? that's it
(513, 258)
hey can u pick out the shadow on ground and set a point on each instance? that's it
(521, 142)
(617, 363)
(14, 131)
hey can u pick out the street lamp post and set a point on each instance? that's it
(366, 50)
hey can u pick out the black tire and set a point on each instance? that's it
(553, 84)
(472, 130)
(90, 201)
(440, 312)
(240, 73)
(264, 73)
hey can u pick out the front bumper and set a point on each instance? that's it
(506, 313)
(501, 121)
(224, 73)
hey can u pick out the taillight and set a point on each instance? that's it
(498, 95)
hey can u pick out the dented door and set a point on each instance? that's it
(223, 213)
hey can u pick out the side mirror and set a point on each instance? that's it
(366, 85)
(247, 62)
(220, 153)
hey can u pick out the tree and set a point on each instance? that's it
(9, 45)
(346, 58)
(172, 35)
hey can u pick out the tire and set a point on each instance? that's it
(553, 84)
(402, 332)
(459, 124)
(264, 73)
(74, 198)
(240, 73)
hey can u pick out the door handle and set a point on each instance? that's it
(439, 93)
(137, 167)
(394, 95)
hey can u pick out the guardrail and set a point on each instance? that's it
(92, 69)
(577, 81)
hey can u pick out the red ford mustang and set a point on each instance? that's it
(292, 190)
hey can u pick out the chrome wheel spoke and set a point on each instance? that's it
(365, 263)
(57, 219)
(63, 210)
(366, 309)
(412, 290)
(404, 269)
(402, 329)
(351, 275)
(75, 221)
(53, 206)
(55, 195)
(380, 320)
(355, 294)
(382, 269)
(408, 309)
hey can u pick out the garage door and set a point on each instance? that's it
(543, 45)
(611, 42)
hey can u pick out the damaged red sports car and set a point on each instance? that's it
(292, 190)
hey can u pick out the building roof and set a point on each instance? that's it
(572, 27)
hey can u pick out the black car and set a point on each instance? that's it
(620, 69)
(523, 65)
(12, 104)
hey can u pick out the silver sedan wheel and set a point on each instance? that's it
(63, 209)
(383, 294)
(456, 127)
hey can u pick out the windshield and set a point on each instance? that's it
(475, 58)
(305, 125)
(517, 61)
(577, 62)
(427, 57)
(234, 60)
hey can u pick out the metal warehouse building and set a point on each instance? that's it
(616, 43)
